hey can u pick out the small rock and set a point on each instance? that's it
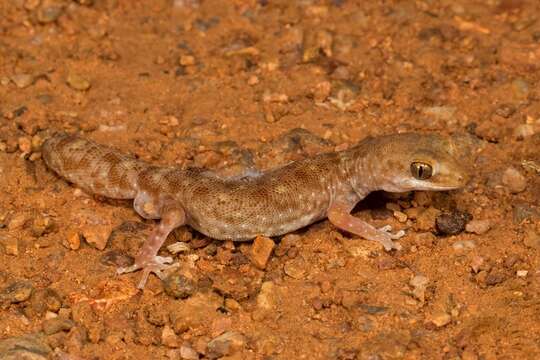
(523, 211)
(16, 292)
(523, 131)
(452, 223)
(440, 319)
(287, 242)
(266, 300)
(478, 227)
(22, 80)
(522, 273)
(426, 239)
(168, 337)
(187, 353)
(27, 347)
(531, 239)
(10, 244)
(425, 221)
(72, 240)
(295, 268)
(505, 110)
(476, 263)
(41, 225)
(444, 113)
(514, 180)
(77, 82)
(17, 222)
(419, 284)
(45, 301)
(261, 250)
(186, 60)
(317, 43)
(520, 88)
(97, 236)
(116, 258)
(400, 216)
(494, 278)
(462, 245)
(49, 12)
(57, 324)
(179, 286)
(226, 344)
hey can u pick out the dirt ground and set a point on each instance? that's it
(231, 84)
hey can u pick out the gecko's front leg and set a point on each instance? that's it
(339, 215)
(147, 259)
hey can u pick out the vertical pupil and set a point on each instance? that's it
(420, 171)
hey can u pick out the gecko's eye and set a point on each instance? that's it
(421, 170)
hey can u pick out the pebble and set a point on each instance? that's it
(44, 301)
(56, 325)
(72, 240)
(419, 284)
(97, 236)
(49, 12)
(22, 80)
(28, 347)
(286, 243)
(226, 344)
(523, 131)
(77, 82)
(10, 244)
(179, 286)
(514, 180)
(266, 299)
(462, 245)
(261, 250)
(523, 211)
(520, 87)
(440, 319)
(531, 239)
(169, 338)
(478, 227)
(452, 223)
(317, 43)
(116, 258)
(187, 60)
(495, 277)
(17, 221)
(522, 273)
(505, 110)
(295, 268)
(400, 216)
(188, 353)
(444, 113)
(425, 221)
(16, 292)
(477, 263)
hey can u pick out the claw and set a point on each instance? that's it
(387, 228)
(157, 265)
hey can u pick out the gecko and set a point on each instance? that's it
(269, 203)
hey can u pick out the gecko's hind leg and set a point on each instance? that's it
(148, 261)
(339, 215)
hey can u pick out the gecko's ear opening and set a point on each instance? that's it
(421, 170)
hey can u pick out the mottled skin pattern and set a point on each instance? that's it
(271, 203)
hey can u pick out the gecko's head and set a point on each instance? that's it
(413, 161)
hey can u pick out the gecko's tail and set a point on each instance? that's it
(96, 168)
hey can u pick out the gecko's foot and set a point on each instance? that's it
(387, 240)
(156, 265)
